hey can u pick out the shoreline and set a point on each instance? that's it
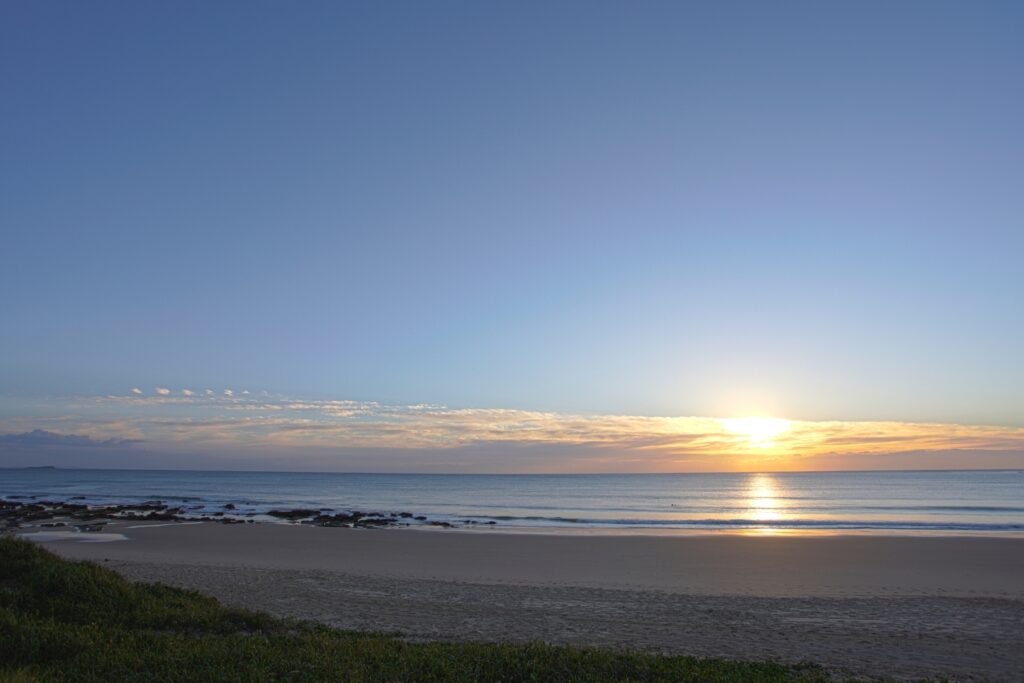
(19, 512)
(760, 532)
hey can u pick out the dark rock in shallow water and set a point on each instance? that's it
(325, 520)
(376, 521)
(356, 520)
(14, 513)
(151, 516)
(292, 514)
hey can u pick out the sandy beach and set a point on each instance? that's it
(906, 607)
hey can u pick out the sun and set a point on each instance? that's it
(760, 431)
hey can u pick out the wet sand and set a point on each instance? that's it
(899, 606)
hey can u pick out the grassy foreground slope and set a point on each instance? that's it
(76, 621)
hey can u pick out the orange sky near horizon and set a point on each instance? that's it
(236, 430)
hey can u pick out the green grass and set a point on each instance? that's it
(76, 621)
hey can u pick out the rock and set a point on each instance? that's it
(229, 506)
(376, 521)
(292, 514)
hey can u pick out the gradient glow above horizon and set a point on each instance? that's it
(519, 237)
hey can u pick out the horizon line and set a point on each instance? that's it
(515, 474)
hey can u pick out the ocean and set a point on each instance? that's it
(970, 502)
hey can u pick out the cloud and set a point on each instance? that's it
(294, 423)
(137, 391)
(187, 392)
(297, 428)
(40, 438)
(162, 391)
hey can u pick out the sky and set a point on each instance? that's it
(531, 236)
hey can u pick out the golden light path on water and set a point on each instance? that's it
(763, 504)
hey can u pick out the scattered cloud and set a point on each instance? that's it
(162, 391)
(137, 391)
(41, 438)
(507, 439)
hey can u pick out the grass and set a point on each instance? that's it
(76, 621)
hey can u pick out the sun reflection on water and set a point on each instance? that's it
(763, 499)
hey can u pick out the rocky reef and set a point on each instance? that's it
(16, 514)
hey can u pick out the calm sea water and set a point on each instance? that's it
(964, 501)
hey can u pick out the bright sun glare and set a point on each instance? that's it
(760, 431)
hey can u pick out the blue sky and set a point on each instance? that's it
(810, 210)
